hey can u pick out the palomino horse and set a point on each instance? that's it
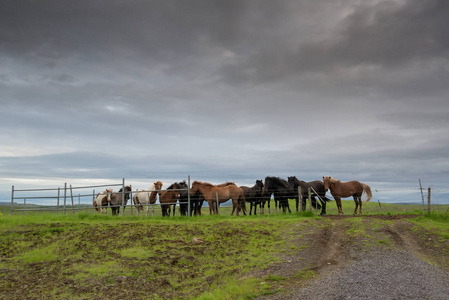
(222, 193)
(102, 200)
(117, 199)
(347, 189)
(253, 195)
(316, 189)
(146, 197)
(169, 197)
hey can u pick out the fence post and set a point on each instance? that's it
(300, 198)
(216, 194)
(93, 198)
(65, 196)
(57, 202)
(422, 197)
(12, 200)
(131, 199)
(123, 197)
(310, 199)
(428, 201)
(24, 205)
(71, 196)
(188, 195)
(79, 203)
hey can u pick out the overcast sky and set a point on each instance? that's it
(224, 91)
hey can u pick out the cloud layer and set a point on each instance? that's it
(234, 90)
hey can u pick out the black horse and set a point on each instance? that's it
(183, 197)
(317, 189)
(253, 195)
(281, 190)
(116, 200)
(196, 202)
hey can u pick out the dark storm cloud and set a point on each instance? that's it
(225, 90)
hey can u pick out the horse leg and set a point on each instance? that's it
(356, 201)
(323, 205)
(338, 201)
(360, 203)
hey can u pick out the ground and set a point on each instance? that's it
(334, 257)
(375, 257)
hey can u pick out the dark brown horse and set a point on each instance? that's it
(253, 195)
(347, 189)
(316, 189)
(222, 193)
(170, 197)
(117, 199)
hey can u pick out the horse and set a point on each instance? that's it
(281, 190)
(347, 189)
(196, 203)
(146, 197)
(102, 200)
(116, 200)
(317, 189)
(222, 193)
(183, 198)
(253, 195)
(170, 197)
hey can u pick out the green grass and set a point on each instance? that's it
(155, 257)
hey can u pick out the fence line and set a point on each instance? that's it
(436, 195)
(90, 195)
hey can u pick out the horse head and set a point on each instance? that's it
(327, 182)
(109, 193)
(259, 184)
(158, 187)
(195, 188)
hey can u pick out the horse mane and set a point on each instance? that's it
(275, 180)
(334, 180)
(225, 184)
(203, 183)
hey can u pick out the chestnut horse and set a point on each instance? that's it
(102, 200)
(223, 192)
(146, 197)
(347, 189)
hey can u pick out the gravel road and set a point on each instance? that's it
(380, 275)
(380, 259)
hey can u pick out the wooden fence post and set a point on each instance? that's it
(300, 199)
(428, 201)
(12, 200)
(310, 200)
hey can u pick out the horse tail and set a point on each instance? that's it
(367, 190)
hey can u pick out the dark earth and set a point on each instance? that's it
(370, 257)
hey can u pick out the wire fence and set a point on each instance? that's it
(75, 199)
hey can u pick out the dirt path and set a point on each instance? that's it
(365, 259)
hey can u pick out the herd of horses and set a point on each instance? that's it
(258, 196)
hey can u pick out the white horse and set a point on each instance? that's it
(102, 200)
(146, 197)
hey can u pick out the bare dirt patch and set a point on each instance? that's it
(366, 258)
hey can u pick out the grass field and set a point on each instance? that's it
(89, 256)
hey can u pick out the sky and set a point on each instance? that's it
(96, 91)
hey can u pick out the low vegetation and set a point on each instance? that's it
(91, 256)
